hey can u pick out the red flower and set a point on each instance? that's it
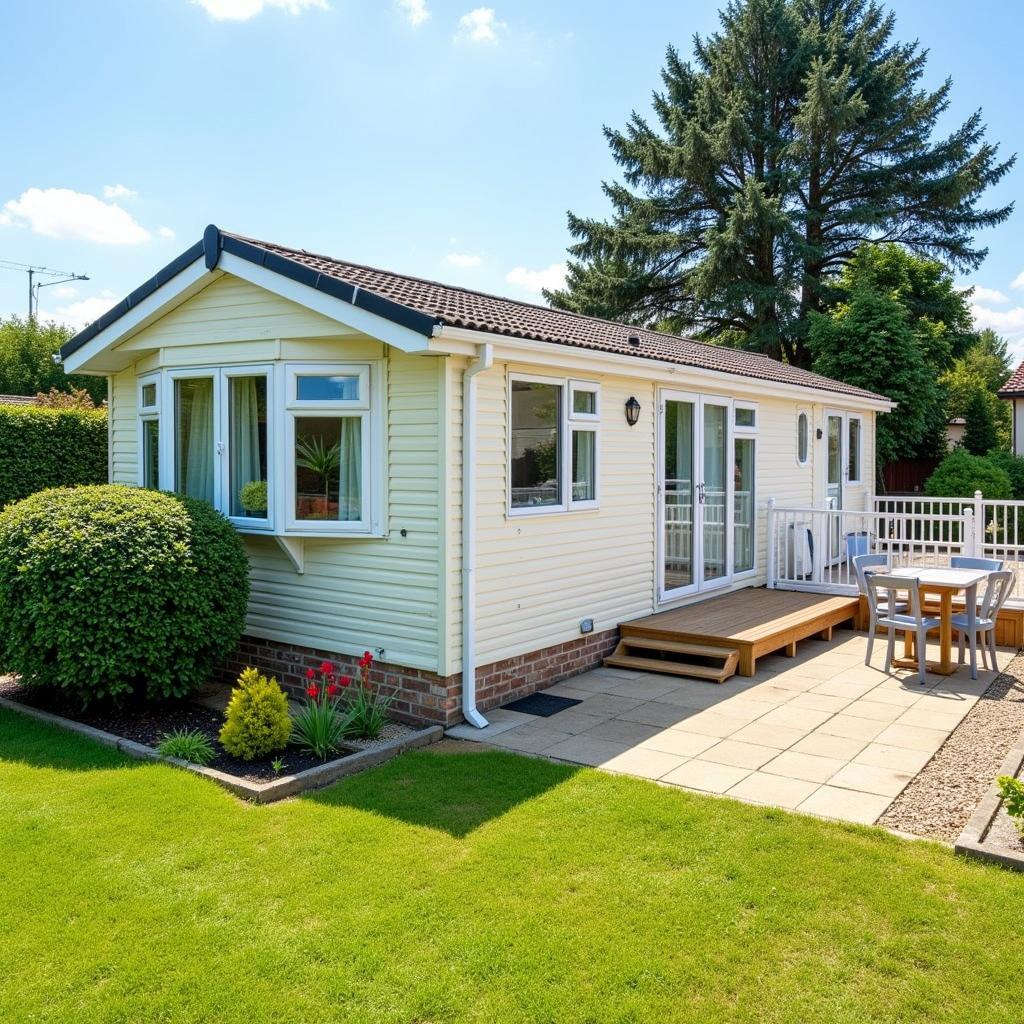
(366, 660)
(310, 673)
(313, 691)
(326, 668)
(332, 690)
(346, 680)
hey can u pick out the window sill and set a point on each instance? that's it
(559, 510)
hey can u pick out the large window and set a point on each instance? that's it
(282, 448)
(854, 455)
(553, 444)
(744, 523)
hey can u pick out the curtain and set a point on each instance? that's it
(350, 470)
(195, 437)
(245, 437)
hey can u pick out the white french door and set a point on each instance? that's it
(696, 495)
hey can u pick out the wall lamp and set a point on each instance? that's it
(632, 411)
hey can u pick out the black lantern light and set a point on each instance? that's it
(632, 411)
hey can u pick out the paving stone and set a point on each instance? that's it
(898, 758)
(914, 737)
(619, 731)
(529, 739)
(852, 728)
(709, 723)
(871, 779)
(846, 804)
(676, 741)
(778, 736)
(706, 776)
(824, 745)
(652, 713)
(808, 767)
(740, 755)
(775, 790)
(877, 711)
(644, 762)
(586, 750)
(819, 702)
(796, 718)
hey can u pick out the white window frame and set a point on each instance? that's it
(743, 432)
(806, 417)
(568, 422)
(859, 478)
(371, 439)
(282, 407)
(148, 414)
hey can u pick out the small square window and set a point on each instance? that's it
(311, 387)
(149, 396)
(745, 417)
(584, 402)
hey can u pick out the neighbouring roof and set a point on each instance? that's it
(17, 400)
(1014, 387)
(423, 305)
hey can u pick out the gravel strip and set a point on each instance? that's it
(939, 802)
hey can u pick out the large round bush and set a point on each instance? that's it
(112, 591)
(960, 474)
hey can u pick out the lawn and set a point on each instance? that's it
(472, 887)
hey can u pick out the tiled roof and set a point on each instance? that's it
(1014, 387)
(17, 400)
(459, 307)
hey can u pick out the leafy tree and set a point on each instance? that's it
(800, 132)
(982, 370)
(868, 340)
(27, 348)
(979, 430)
(1012, 466)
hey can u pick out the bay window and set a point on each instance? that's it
(280, 448)
(553, 444)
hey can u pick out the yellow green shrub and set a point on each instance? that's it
(257, 721)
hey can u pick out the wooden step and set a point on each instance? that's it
(679, 658)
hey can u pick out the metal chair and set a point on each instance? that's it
(894, 622)
(998, 588)
(966, 562)
(864, 565)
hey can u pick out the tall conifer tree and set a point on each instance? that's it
(800, 131)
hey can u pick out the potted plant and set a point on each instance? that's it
(324, 462)
(253, 498)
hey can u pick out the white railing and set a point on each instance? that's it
(813, 548)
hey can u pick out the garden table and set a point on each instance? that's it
(945, 583)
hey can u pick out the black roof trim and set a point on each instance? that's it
(214, 241)
(158, 280)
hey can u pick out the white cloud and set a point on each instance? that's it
(415, 11)
(64, 291)
(535, 280)
(479, 26)
(119, 192)
(78, 314)
(1007, 322)
(983, 294)
(64, 213)
(243, 10)
(463, 259)
(165, 232)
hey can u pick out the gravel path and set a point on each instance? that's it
(938, 803)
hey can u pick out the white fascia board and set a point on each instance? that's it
(336, 309)
(193, 279)
(460, 341)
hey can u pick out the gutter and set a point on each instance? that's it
(484, 361)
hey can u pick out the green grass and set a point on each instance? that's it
(472, 887)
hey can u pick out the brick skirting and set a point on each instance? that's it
(424, 696)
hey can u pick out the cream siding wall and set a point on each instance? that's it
(538, 576)
(355, 593)
(124, 431)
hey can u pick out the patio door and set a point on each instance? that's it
(694, 494)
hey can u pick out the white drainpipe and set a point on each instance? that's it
(483, 361)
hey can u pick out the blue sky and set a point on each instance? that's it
(435, 137)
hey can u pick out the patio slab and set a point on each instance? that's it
(822, 733)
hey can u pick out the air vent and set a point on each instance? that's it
(634, 340)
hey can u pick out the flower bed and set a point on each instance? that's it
(138, 730)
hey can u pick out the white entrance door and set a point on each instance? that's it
(695, 494)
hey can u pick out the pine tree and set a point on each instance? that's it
(800, 132)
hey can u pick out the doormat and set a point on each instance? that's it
(543, 704)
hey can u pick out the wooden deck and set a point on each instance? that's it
(752, 622)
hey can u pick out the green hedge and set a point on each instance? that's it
(113, 591)
(960, 474)
(42, 448)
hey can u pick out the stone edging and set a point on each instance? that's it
(971, 841)
(257, 792)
